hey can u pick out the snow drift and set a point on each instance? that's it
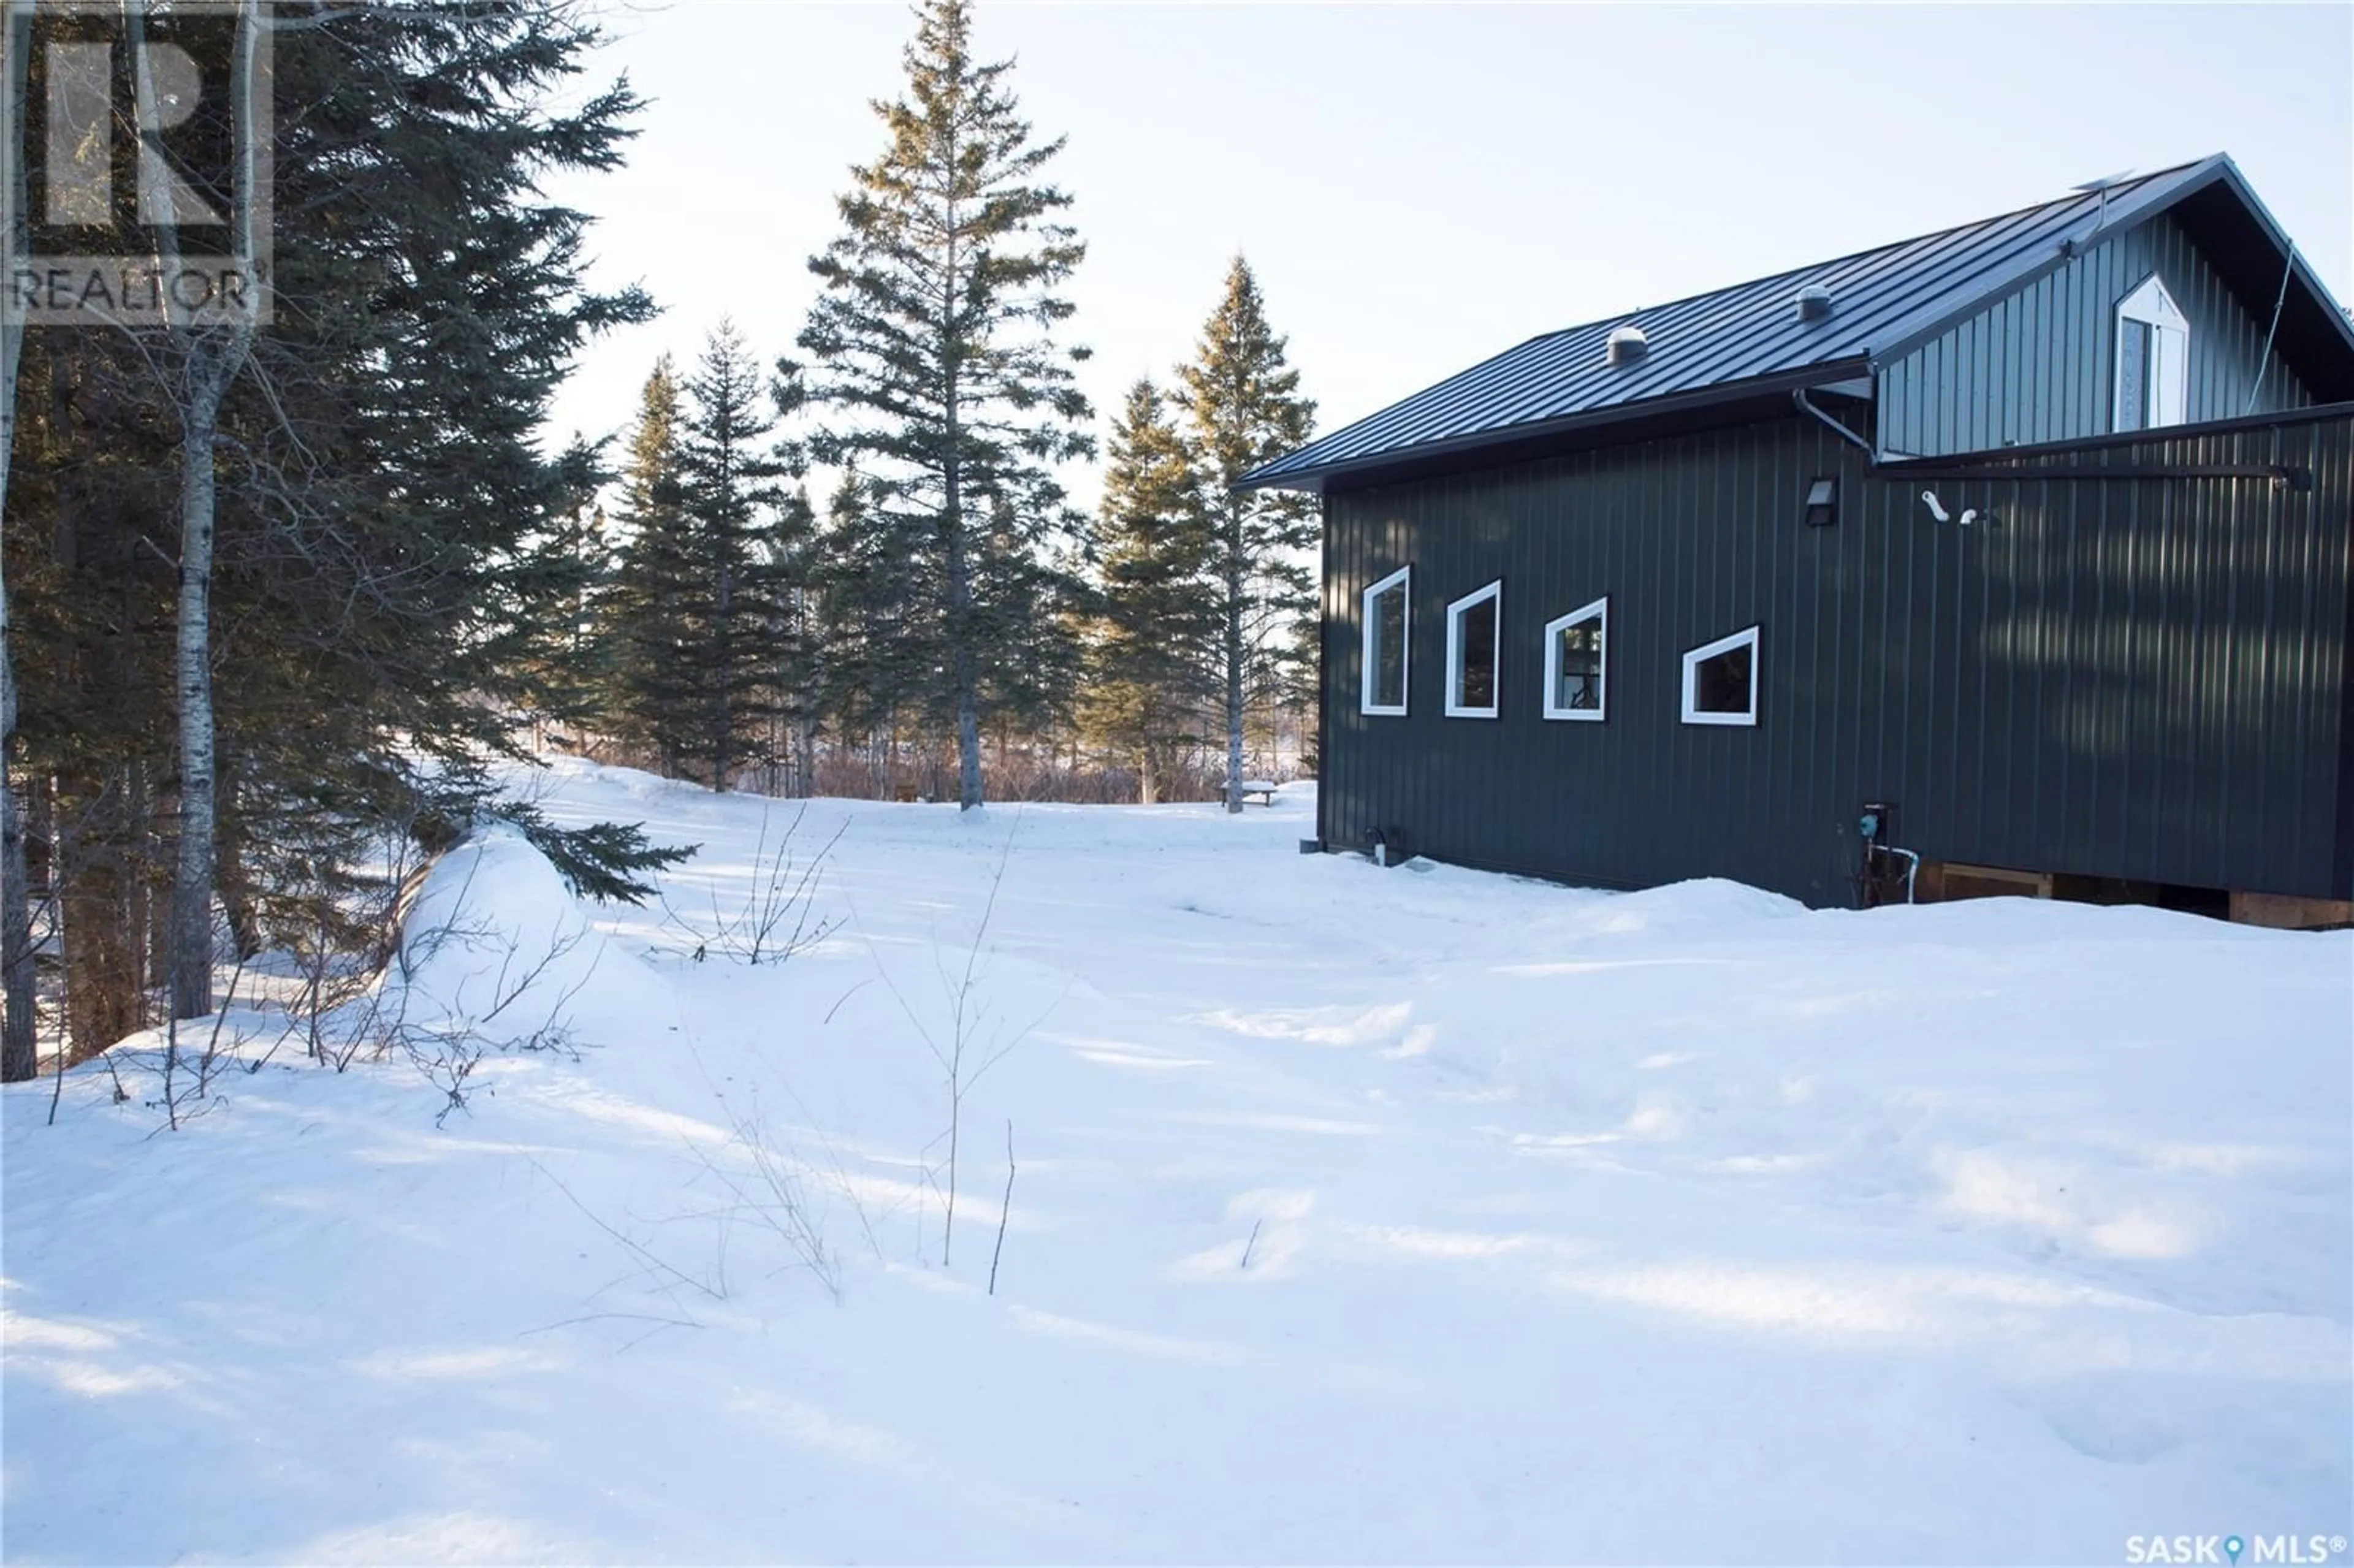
(1354, 1216)
(494, 946)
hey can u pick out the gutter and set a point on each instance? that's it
(1313, 479)
(2027, 464)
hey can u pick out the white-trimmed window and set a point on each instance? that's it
(1475, 630)
(2153, 359)
(1720, 681)
(1577, 663)
(1387, 615)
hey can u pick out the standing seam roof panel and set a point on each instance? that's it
(1743, 333)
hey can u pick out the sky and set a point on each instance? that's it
(1418, 186)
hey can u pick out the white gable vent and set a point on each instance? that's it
(1627, 344)
(1814, 303)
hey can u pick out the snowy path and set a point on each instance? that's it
(1684, 1225)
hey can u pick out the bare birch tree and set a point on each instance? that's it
(204, 359)
(19, 1059)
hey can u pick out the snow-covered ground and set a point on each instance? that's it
(1359, 1214)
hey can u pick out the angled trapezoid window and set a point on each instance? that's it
(1475, 633)
(1577, 663)
(1720, 681)
(1382, 690)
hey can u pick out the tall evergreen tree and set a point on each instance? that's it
(731, 491)
(645, 614)
(431, 300)
(937, 369)
(1156, 626)
(1243, 409)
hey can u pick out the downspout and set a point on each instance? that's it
(1800, 397)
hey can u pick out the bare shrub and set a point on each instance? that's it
(778, 916)
(770, 1185)
(970, 1041)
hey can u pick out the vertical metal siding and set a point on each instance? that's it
(2137, 678)
(2036, 367)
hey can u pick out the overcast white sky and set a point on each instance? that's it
(1419, 186)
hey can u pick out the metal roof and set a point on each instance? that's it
(1884, 302)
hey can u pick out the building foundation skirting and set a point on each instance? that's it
(1942, 882)
(2288, 912)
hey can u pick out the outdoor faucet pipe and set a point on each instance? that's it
(1912, 867)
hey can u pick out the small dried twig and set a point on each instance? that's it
(609, 1318)
(212, 1046)
(1005, 1211)
(636, 1249)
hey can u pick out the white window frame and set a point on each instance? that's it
(1696, 657)
(2169, 366)
(1403, 577)
(1599, 610)
(1455, 709)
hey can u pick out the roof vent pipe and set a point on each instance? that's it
(1814, 303)
(1627, 346)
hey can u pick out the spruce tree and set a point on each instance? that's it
(431, 302)
(1156, 626)
(1243, 409)
(391, 490)
(647, 614)
(732, 495)
(938, 374)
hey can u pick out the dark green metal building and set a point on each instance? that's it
(2026, 546)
